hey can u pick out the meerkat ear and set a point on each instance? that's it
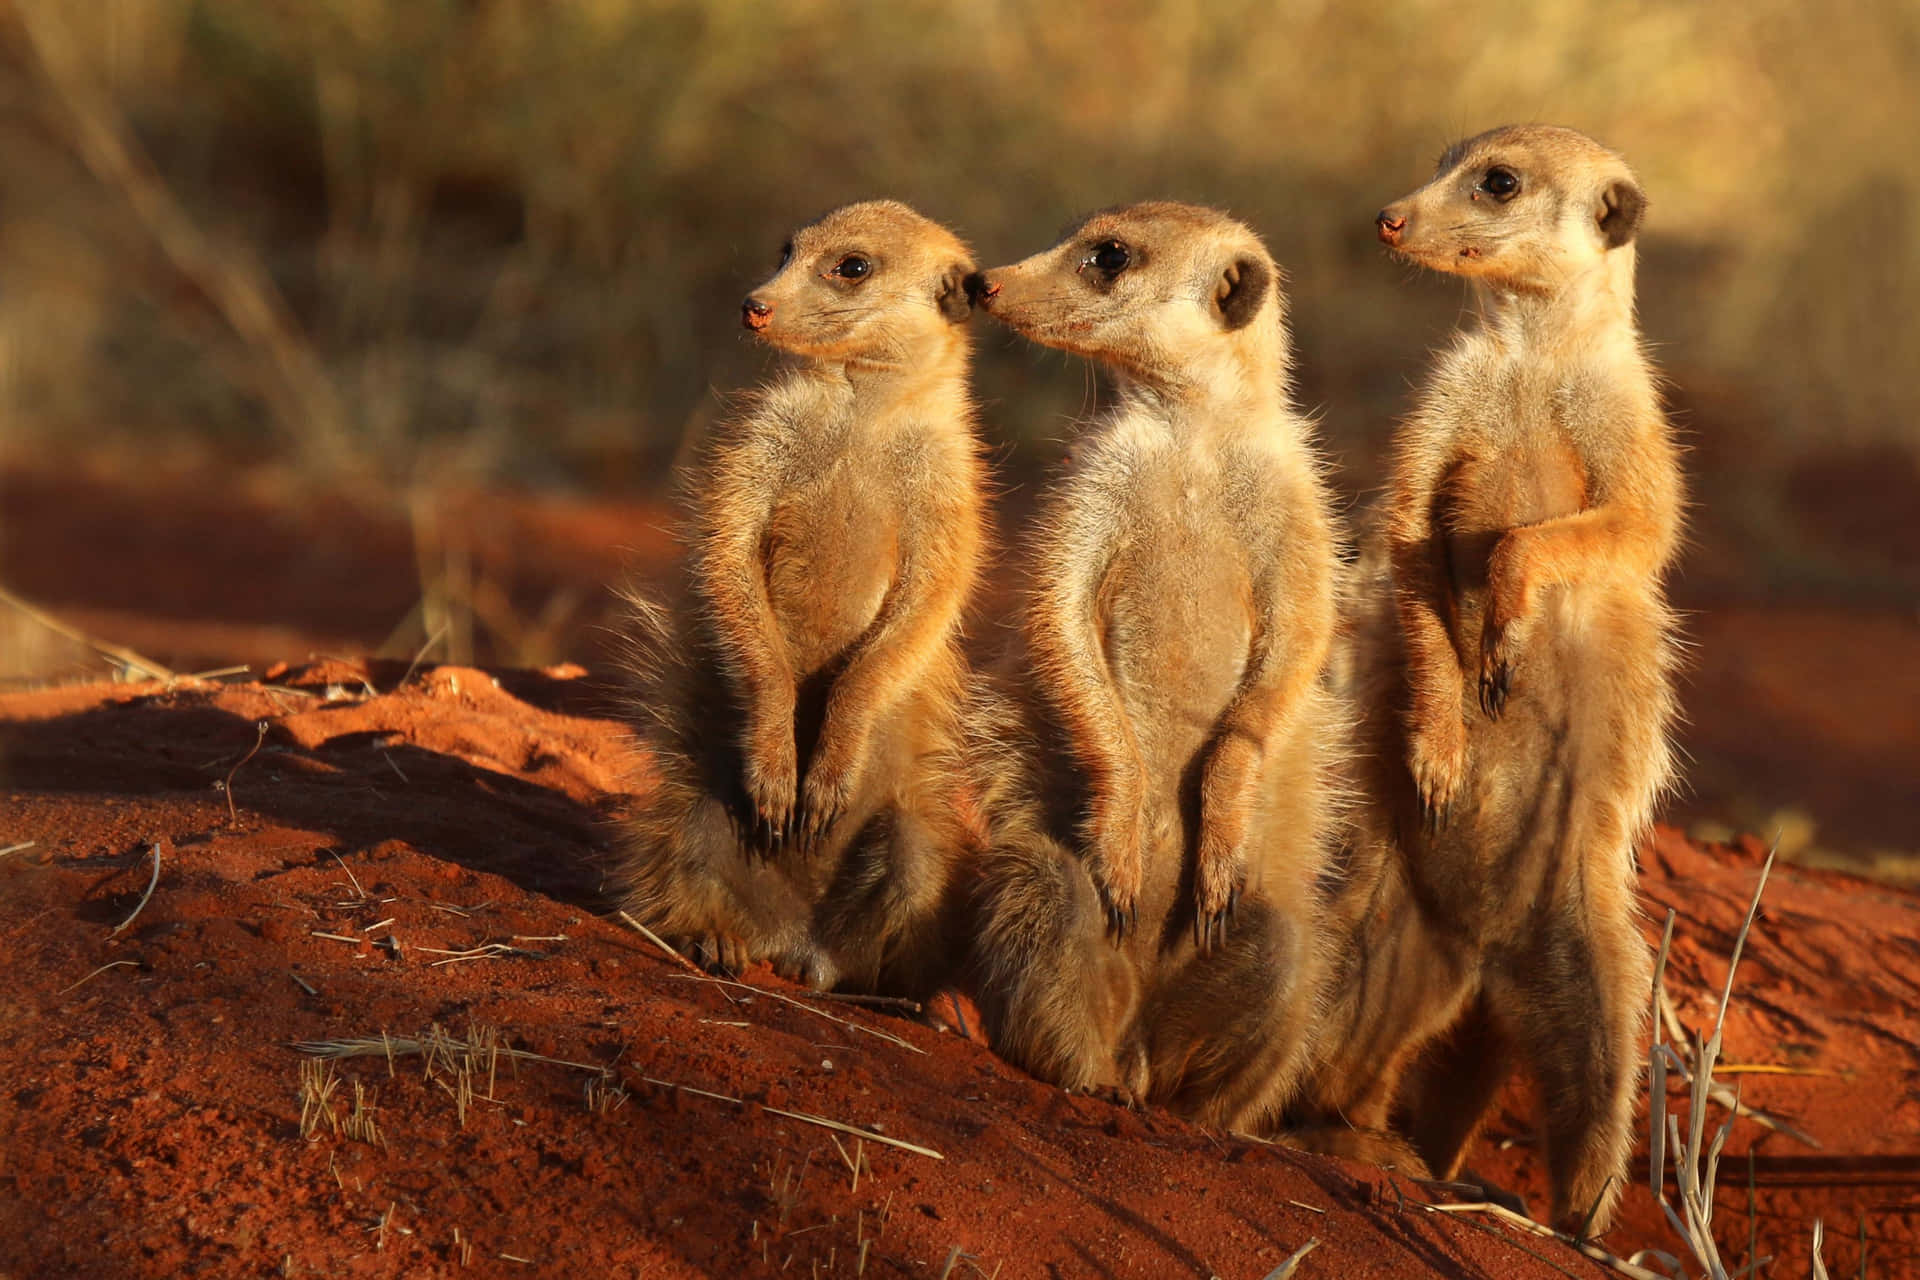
(1240, 290)
(1621, 207)
(955, 303)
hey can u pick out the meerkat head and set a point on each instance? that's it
(870, 281)
(1527, 207)
(1168, 293)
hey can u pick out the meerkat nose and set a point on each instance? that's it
(979, 289)
(755, 314)
(1390, 226)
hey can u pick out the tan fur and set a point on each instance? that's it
(802, 704)
(1156, 758)
(1512, 663)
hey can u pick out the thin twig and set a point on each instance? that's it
(661, 943)
(17, 848)
(260, 736)
(121, 927)
(801, 1004)
(872, 1002)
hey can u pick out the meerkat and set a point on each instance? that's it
(801, 708)
(1155, 761)
(1514, 675)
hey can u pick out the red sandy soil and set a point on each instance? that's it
(151, 1091)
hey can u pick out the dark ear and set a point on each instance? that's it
(1621, 207)
(953, 300)
(1241, 289)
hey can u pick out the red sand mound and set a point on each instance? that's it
(386, 859)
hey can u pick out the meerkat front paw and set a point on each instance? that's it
(772, 779)
(1219, 879)
(824, 795)
(1436, 756)
(1115, 866)
(1509, 604)
(721, 953)
(1499, 654)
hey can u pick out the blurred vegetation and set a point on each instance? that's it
(486, 240)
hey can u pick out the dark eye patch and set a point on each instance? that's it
(853, 267)
(1110, 257)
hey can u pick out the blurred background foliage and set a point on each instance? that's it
(376, 326)
(503, 238)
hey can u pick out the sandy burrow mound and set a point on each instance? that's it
(347, 852)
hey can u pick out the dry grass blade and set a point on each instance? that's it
(1286, 1268)
(286, 372)
(1819, 1271)
(360, 1124)
(22, 847)
(317, 1085)
(1724, 1095)
(1586, 1247)
(140, 905)
(436, 1043)
(124, 657)
(485, 951)
(875, 1032)
(111, 964)
(1693, 1158)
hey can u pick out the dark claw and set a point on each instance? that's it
(1233, 903)
(1494, 687)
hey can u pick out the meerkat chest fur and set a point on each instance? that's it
(843, 483)
(1177, 605)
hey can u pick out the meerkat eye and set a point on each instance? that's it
(852, 267)
(1111, 257)
(1501, 183)
(786, 254)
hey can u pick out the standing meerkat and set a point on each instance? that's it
(802, 710)
(1515, 679)
(1154, 770)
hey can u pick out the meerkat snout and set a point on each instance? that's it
(1390, 224)
(979, 290)
(755, 314)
